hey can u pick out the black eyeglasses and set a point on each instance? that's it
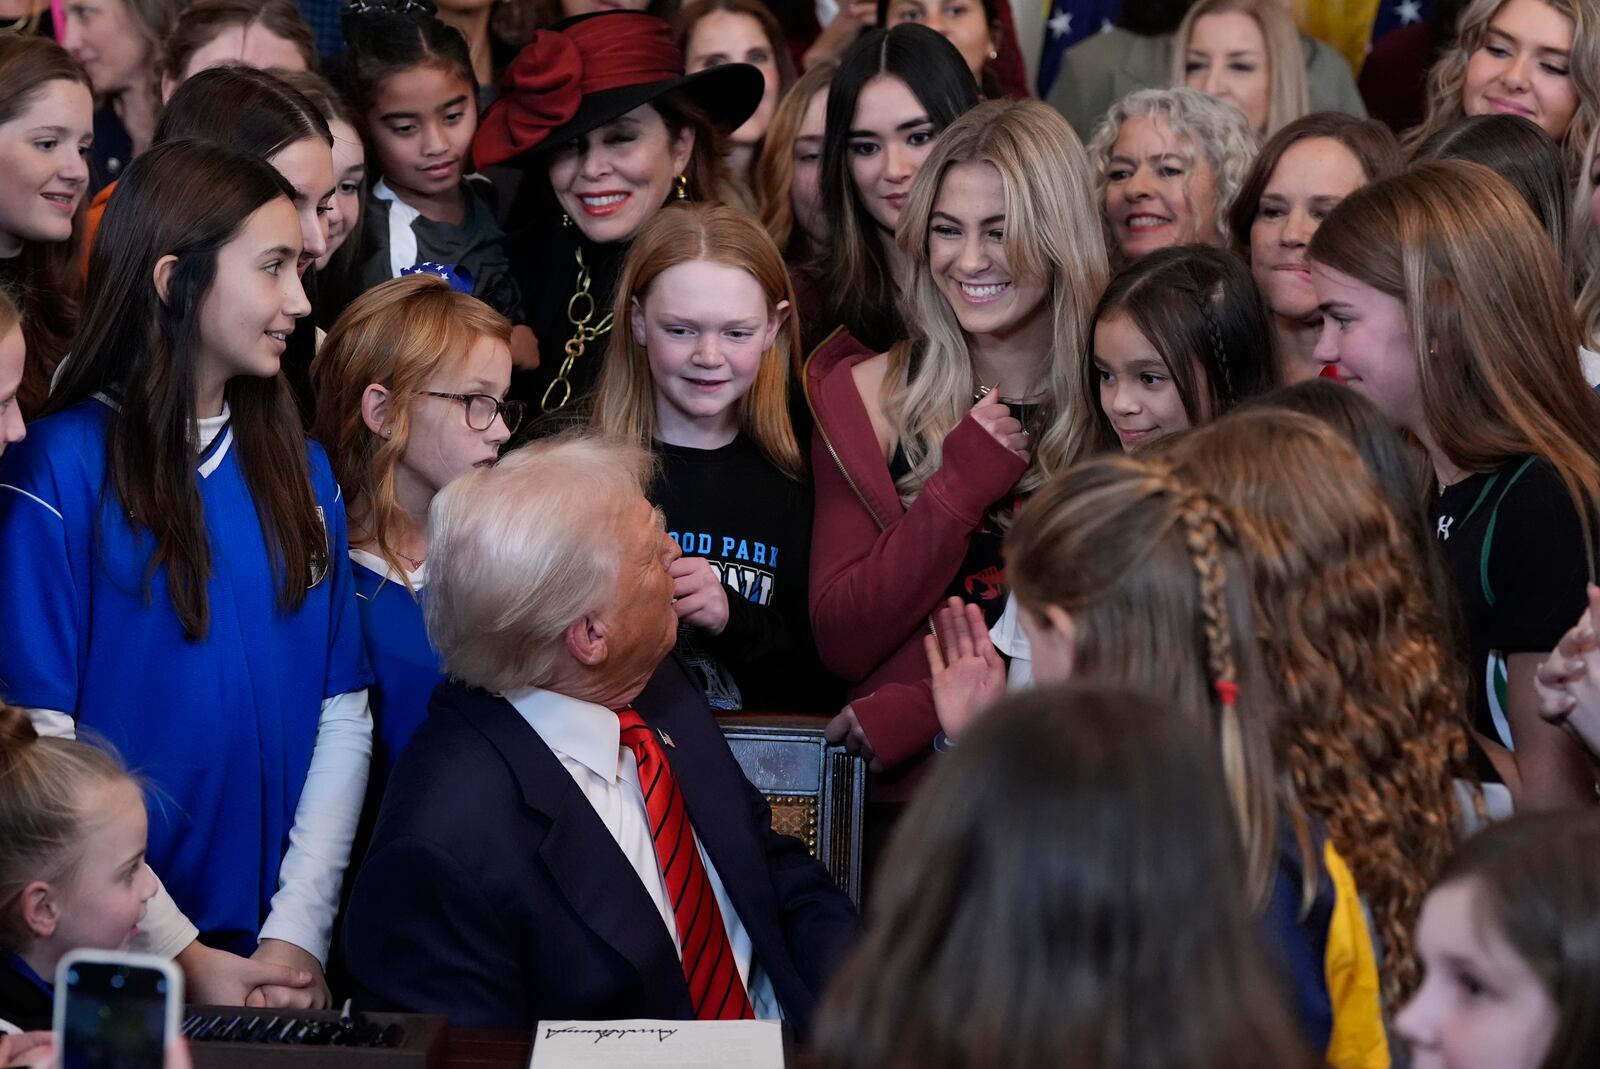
(482, 408)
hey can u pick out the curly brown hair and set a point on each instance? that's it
(1371, 725)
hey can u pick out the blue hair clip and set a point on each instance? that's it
(459, 277)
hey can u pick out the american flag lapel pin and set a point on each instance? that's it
(666, 740)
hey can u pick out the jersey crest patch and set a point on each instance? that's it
(320, 562)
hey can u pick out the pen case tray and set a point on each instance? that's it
(421, 1045)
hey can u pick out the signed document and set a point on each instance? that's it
(657, 1045)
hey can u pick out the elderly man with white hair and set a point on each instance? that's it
(568, 835)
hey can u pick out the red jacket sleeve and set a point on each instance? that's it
(899, 721)
(871, 588)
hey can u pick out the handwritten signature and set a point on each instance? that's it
(661, 1034)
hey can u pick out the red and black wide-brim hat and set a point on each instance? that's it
(587, 71)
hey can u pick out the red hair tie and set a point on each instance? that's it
(1228, 691)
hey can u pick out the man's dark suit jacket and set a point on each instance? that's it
(493, 893)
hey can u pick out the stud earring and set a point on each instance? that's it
(680, 187)
(994, 54)
(566, 221)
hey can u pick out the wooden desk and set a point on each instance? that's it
(483, 1048)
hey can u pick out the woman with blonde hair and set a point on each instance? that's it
(1248, 53)
(1445, 304)
(788, 173)
(698, 372)
(410, 387)
(1371, 723)
(1167, 164)
(923, 451)
(1536, 58)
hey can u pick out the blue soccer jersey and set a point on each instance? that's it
(222, 728)
(404, 661)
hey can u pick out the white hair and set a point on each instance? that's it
(1216, 128)
(519, 551)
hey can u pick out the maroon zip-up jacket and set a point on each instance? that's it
(878, 569)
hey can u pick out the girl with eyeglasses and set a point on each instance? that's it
(410, 384)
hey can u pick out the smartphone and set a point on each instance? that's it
(115, 1010)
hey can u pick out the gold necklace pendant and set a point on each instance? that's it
(580, 310)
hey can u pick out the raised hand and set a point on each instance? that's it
(968, 675)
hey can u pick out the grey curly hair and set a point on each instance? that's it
(1216, 128)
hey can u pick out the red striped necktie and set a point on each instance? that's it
(708, 963)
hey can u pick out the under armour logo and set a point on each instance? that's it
(1443, 533)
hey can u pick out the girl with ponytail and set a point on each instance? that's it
(72, 871)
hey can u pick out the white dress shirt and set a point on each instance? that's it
(587, 740)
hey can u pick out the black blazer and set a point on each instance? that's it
(493, 893)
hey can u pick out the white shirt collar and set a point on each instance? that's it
(587, 733)
(382, 568)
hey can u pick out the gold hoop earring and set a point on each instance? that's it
(680, 187)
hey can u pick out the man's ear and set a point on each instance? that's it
(375, 409)
(586, 640)
(162, 276)
(40, 911)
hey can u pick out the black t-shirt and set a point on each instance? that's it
(753, 523)
(1513, 544)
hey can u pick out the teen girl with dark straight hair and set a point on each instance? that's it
(169, 545)
(894, 91)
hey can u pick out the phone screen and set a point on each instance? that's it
(115, 1017)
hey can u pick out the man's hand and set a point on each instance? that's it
(312, 996)
(698, 596)
(217, 978)
(845, 729)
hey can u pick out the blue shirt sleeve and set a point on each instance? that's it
(347, 668)
(46, 523)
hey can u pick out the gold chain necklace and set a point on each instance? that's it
(582, 335)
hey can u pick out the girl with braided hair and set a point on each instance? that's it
(1373, 725)
(1127, 576)
(1179, 337)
